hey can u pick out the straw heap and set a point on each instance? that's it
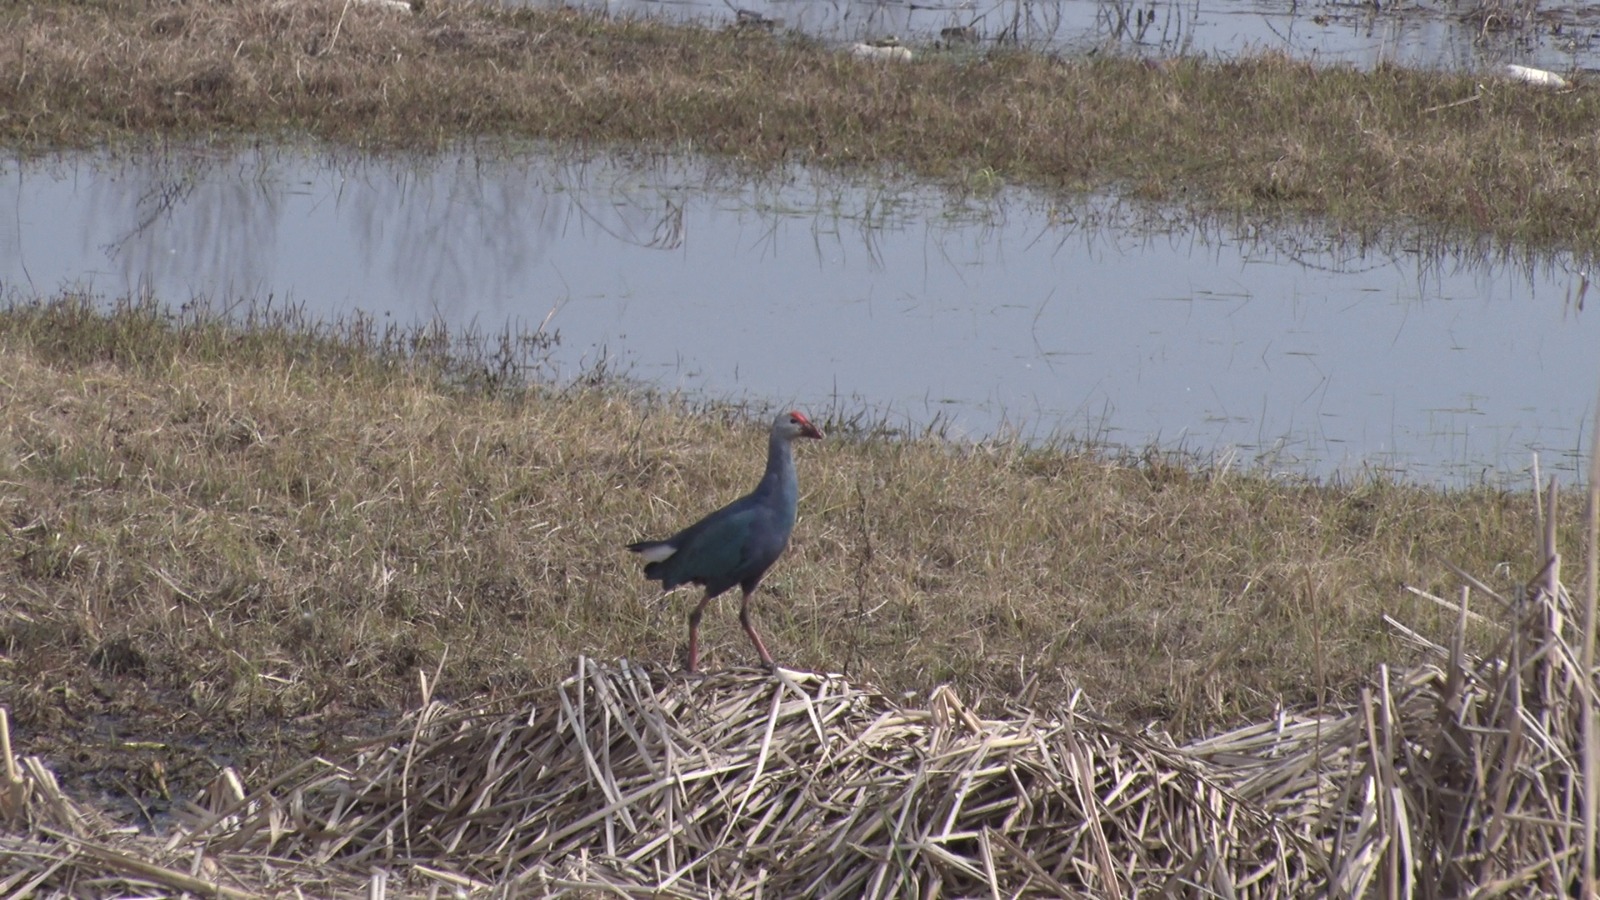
(750, 785)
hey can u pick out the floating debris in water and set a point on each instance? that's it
(958, 34)
(749, 18)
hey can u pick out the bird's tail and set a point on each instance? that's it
(655, 553)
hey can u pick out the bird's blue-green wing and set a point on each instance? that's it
(715, 549)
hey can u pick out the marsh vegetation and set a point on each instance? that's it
(214, 529)
(1262, 136)
(233, 550)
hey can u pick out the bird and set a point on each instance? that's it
(738, 543)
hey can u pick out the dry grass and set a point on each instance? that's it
(1460, 777)
(1257, 136)
(223, 546)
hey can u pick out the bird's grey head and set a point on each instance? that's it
(795, 425)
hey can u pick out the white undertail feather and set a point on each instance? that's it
(657, 553)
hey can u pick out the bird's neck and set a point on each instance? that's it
(779, 480)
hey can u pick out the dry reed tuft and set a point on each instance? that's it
(1461, 777)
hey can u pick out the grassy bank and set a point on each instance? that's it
(242, 546)
(1263, 136)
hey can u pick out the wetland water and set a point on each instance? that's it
(1116, 322)
(1421, 33)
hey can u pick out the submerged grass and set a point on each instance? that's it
(1264, 135)
(231, 545)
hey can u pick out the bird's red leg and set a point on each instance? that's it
(694, 633)
(744, 619)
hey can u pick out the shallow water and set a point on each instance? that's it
(1441, 35)
(1114, 322)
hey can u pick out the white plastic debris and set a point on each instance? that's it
(1536, 76)
(887, 49)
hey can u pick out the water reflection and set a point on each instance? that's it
(1297, 350)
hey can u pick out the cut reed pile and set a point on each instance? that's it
(1461, 777)
(744, 784)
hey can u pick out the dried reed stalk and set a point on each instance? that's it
(1460, 778)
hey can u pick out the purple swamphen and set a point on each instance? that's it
(738, 543)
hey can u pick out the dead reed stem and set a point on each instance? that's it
(1591, 729)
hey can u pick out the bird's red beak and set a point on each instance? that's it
(806, 428)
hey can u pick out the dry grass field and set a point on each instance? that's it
(237, 550)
